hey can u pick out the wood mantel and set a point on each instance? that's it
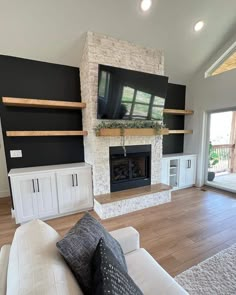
(139, 132)
(132, 132)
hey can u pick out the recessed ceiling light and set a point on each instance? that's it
(146, 5)
(198, 26)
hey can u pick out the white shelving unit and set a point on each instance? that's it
(173, 172)
(179, 170)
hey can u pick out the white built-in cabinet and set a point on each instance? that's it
(74, 187)
(51, 191)
(179, 170)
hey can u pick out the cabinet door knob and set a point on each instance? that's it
(38, 184)
(73, 183)
(33, 186)
(77, 184)
(188, 164)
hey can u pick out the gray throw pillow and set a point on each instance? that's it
(79, 245)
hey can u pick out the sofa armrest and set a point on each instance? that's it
(4, 259)
(128, 238)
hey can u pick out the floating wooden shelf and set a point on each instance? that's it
(41, 103)
(180, 131)
(178, 112)
(46, 133)
(132, 132)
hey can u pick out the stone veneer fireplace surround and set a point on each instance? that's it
(100, 49)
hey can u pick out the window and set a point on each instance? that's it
(142, 105)
(225, 63)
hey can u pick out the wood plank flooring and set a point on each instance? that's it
(194, 226)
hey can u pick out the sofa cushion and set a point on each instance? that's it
(35, 265)
(151, 278)
(4, 260)
(79, 245)
(109, 277)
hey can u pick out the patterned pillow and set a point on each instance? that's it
(79, 245)
(109, 277)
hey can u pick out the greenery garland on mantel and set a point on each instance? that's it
(128, 125)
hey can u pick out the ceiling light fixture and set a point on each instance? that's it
(198, 26)
(146, 5)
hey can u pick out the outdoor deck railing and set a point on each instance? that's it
(225, 153)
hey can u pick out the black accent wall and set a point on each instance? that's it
(31, 79)
(175, 99)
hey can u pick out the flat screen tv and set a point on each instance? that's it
(130, 95)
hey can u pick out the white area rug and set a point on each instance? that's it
(214, 276)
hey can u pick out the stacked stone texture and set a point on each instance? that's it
(100, 49)
(125, 206)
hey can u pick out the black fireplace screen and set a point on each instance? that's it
(130, 169)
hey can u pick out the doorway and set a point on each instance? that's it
(221, 152)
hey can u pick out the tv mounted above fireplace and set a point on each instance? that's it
(130, 95)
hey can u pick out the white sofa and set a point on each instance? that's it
(33, 265)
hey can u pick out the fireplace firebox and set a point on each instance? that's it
(130, 167)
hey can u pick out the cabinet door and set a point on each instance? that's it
(182, 172)
(46, 195)
(83, 189)
(187, 171)
(74, 190)
(165, 167)
(190, 171)
(24, 196)
(66, 191)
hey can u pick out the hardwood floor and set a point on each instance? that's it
(194, 226)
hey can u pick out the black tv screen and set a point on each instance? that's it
(130, 95)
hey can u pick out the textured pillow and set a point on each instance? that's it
(79, 245)
(109, 277)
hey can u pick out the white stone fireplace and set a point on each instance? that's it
(100, 49)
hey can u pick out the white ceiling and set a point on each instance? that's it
(54, 30)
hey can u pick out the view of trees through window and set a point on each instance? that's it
(142, 105)
(132, 103)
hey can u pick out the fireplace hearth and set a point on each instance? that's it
(130, 167)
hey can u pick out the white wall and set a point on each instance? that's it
(213, 93)
(4, 186)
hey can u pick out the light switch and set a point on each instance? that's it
(16, 154)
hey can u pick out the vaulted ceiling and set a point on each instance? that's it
(54, 30)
